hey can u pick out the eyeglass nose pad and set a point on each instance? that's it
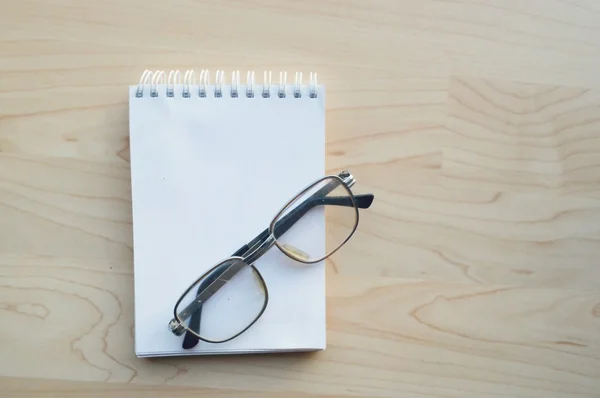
(176, 327)
(295, 252)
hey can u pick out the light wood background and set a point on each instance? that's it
(476, 123)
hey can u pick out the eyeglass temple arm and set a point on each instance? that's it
(320, 198)
(362, 201)
(283, 225)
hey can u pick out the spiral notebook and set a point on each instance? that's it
(211, 164)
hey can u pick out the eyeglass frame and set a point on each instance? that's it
(257, 247)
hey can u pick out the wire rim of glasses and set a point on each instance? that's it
(284, 250)
(178, 326)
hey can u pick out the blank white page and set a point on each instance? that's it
(208, 175)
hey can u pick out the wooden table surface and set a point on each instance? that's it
(475, 122)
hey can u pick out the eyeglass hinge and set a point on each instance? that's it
(347, 178)
(176, 327)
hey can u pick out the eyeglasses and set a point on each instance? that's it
(231, 296)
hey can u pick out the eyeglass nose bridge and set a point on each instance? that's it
(262, 248)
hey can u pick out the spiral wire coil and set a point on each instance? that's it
(152, 79)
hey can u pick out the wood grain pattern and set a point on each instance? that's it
(18, 388)
(475, 123)
(524, 137)
(385, 336)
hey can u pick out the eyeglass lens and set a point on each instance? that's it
(224, 302)
(299, 229)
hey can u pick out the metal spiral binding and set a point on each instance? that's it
(152, 79)
(250, 84)
(235, 82)
(266, 91)
(174, 78)
(282, 84)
